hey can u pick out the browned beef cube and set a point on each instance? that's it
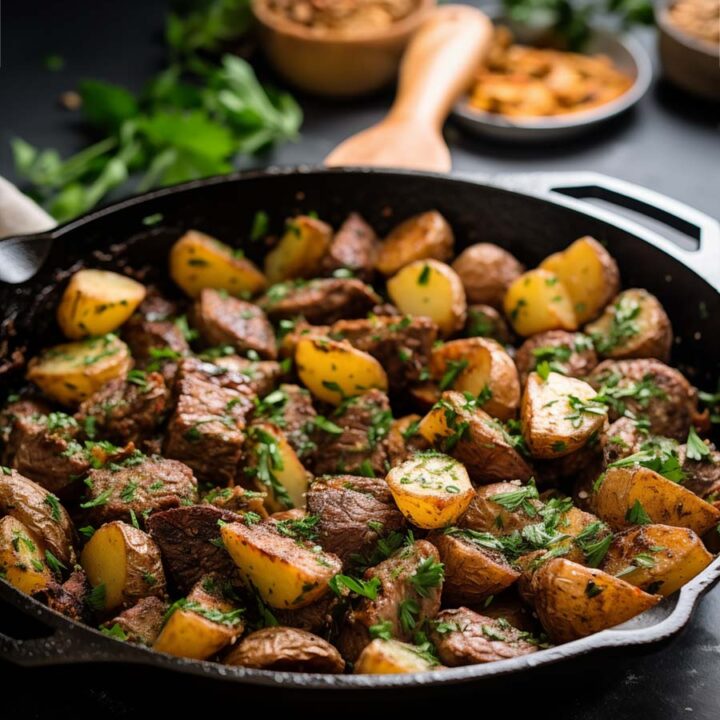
(260, 376)
(237, 499)
(290, 408)
(68, 598)
(320, 301)
(318, 617)
(189, 540)
(125, 410)
(402, 345)
(48, 453)
(353, 514)
(354, 248)
(144, 486)
(206, 429)
(225, 320)
(10, 415)
(142, 622)
(358, 442)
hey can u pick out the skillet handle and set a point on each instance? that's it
(570, 188)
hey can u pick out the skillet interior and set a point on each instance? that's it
(529, 227)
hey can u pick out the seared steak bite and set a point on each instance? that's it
(19, 411)
(408, 594)
(225, 320)
(402, 345)
(354, 248)
(132, 493)
(260, 376)
(47, 452)
(351, 519)
(702, 476)
(319, 617)
(68, 598)
(290, 408)
(206, 431)
(141, 623)
(463, 637)
(624, 438)
(321, 301)
(125, 409)
(188, 538)
(356, 440)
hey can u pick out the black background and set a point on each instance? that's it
(669, 143)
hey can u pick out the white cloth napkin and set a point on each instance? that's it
(19, 215)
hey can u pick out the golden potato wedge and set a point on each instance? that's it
(456, 426)
(487, 271)
(429, 288)
(275, 467)
(300, 250)
(473, 572)
(483, 368)
(198, 261)
(573, 601)
(41, 512)
(659, 559)
(422, 237)
(200, 625)
(392, 657)
(72, 372)
(432, 490)
(578, 523)
(96, 302)
(285, 573)
(126, 562)
(628, 496)
(333, 370)
(635, 325)
(22, 561)
(589, 273)
(559, 415)
(488, 511)
(537, 301)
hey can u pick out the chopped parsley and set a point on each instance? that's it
(54, 504)
(429, 574)
(696, 448)
(623, 325)
(450, 376)
(115, 632)
(637, 515)
(365, 588)
(382, 630)
(303, 529)
(424, 276)
(408, 611)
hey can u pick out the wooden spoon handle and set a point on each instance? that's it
(440, 63)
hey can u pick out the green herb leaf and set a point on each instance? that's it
(696, 448)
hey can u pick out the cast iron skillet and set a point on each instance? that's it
(530, 215)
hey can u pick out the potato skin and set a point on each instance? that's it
(486, 321)
(485, 515)
(22, 562)
(676, 556)
(589, 273)
(285, 648)
(421, 237)
(574, 354)
(650, 333)
(664, 501)
(573, 601)
(391, 657)
(44, 517)
(96, 302)
(487, 271)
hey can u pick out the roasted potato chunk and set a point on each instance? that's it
(126, 562)
(422, 237)
(629, 496)
(96, 302)
(300, 250)
(537, 301)
(481, 367)
(286, 648)
(70, 373)
(431, 489)
(41, 512)
(589, 273)
(286, 573)
(456, 425)
(198, 261)
(487, 271)
(392, 657)
(658, 559)
(573, 601)
(635, 325)
(559, 415)
(567, 353)
(488, 513)
(428, 288)
(486, 321)
(334, 370)
(22, 562)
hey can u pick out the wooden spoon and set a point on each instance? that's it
(439, 64)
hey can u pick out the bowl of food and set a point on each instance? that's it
(530, 93)
(338, 49)
(688, 42)
(388, 411)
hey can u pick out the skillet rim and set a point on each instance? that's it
(74, 642)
